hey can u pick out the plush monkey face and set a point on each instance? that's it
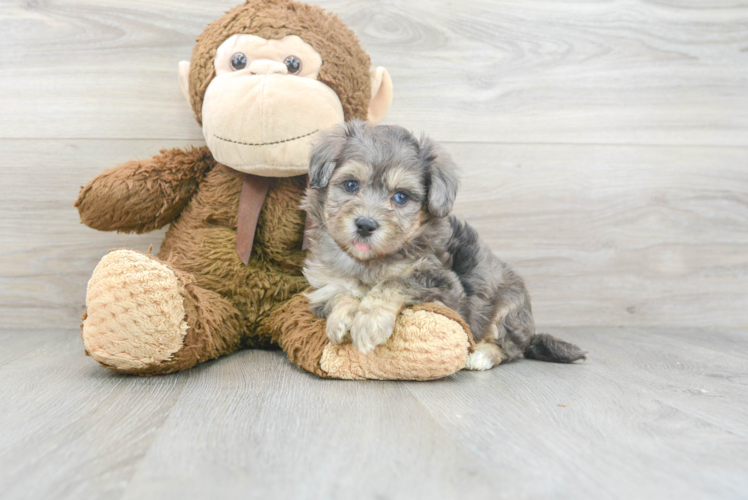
(265, 106)
(269, 89)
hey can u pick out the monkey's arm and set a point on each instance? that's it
(143, 195)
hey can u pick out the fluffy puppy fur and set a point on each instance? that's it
(382, 238)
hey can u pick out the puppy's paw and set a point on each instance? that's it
(338, 327)
(372, 327)
(340, 319)
(485, 356)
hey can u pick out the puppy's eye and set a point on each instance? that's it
(293, 64)
(351, 186)
(238, 61)
(400, 198)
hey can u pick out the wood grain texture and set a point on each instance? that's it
(71, 429)
(621, 72)
(604, 154)
(47, 254)
(603, 235)
(645, 417)
(616, 235)
(603, 429)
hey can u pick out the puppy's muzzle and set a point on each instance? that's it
(366, 226)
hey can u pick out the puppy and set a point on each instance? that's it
(382, 238)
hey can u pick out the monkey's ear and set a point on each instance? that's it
(444, 182)
(381, 95)
(325, 155)
(184, 79)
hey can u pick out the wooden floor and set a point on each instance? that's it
(653, 414)
(603, 148)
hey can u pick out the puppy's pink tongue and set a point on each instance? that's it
(362, 247)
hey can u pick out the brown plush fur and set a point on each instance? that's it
(202, 243)
(142, 195)
(214, 327)
(345, 65)
(229, 305)
(300, 334)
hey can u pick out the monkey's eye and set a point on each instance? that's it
(351, 186)
(238, 61)
(293, 64)
(400, 198)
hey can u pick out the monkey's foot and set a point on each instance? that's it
(429, 341)
(135, 316)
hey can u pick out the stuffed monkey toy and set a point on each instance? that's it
(263, 80)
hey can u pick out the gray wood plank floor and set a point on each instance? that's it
(651, 415)
(604, 153)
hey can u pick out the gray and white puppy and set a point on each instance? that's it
(382, 238)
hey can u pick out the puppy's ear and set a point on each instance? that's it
(328, 151)
(325, 155)
(443, 180)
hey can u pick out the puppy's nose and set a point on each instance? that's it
(366, 226)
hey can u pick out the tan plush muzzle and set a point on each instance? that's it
(273, 132)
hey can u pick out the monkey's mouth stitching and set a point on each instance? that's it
(265, 143)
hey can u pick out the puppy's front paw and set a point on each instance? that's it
(338, 327)
(340, 319)
(372, 327)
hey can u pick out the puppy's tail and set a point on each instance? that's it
(544, 347)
